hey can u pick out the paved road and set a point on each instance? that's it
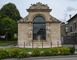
(73, 57)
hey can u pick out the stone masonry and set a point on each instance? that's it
(25, 28)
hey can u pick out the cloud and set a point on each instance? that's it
(71, 9)
(72, 0)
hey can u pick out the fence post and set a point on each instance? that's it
(42, 44)
(57, 43)
(32, 43)
(62, 40)
(24, 44)
(51, 43)
(17, 44)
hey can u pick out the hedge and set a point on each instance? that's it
(19, 53)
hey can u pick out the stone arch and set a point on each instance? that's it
(41, 20)
(39, 15)
(39, 28)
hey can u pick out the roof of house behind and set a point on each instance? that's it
(72, 18)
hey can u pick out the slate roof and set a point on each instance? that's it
(72, 18)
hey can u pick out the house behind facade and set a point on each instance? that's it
(70, 30)
(72, 26)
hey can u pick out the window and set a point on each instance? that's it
(39, 28)
(66, 29)
(75, 25)
(71, 29)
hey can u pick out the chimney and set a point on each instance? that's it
(70, 16)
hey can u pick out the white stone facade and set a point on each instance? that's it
(25, 28)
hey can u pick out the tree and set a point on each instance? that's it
(9, 15)
(1, 30)
(9, 27)
(10, 10)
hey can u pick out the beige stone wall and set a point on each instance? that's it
(25, 31)
(22, 33)
(52, 34)
(55, 34)
(46, 15)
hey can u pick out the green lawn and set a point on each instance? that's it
(31, 49)
(4, 43)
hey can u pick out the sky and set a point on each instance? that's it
(61, 9)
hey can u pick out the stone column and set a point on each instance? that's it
(48, 32)
(30, 33)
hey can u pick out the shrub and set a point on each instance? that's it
(54, 51)
(72, 50)
(64, 51)
(36, 52)
(19, 53)
(46, 53)
(14, 52)
(3, 54)
(23, 55)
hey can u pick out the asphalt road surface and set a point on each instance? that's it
(71, 57)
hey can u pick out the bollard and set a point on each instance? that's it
(57, 43)
(42, 44)
(51, 43)
(32, 43)
(24, 44)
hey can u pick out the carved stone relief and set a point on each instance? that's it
(30, 31)
(48, 31)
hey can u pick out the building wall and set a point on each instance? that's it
(52, 34)
(46, 15)
(71, 24)
(25, 31)
(22, 34)
(71, 36)
(64, 29)
(25, 34)
(55, 34)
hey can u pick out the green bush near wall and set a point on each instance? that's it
(19, 53)
(3, 54)
(46, 53)
(36, 52)
(72, 50)
(64, 51)
(23, 55)
(54, 51)
(13, 52)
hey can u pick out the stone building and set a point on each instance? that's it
(72, 26)
(69, 31)
(64, 29)
(39, 29)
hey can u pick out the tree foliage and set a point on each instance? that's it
(9, 27)
(10, 10)
(9, 15)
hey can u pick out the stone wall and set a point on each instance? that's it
(52, 34)
(22, 34)
(55, 34)
(25, 29)
(71, 24)
(46, 15)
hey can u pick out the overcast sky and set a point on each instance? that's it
(61, 9)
